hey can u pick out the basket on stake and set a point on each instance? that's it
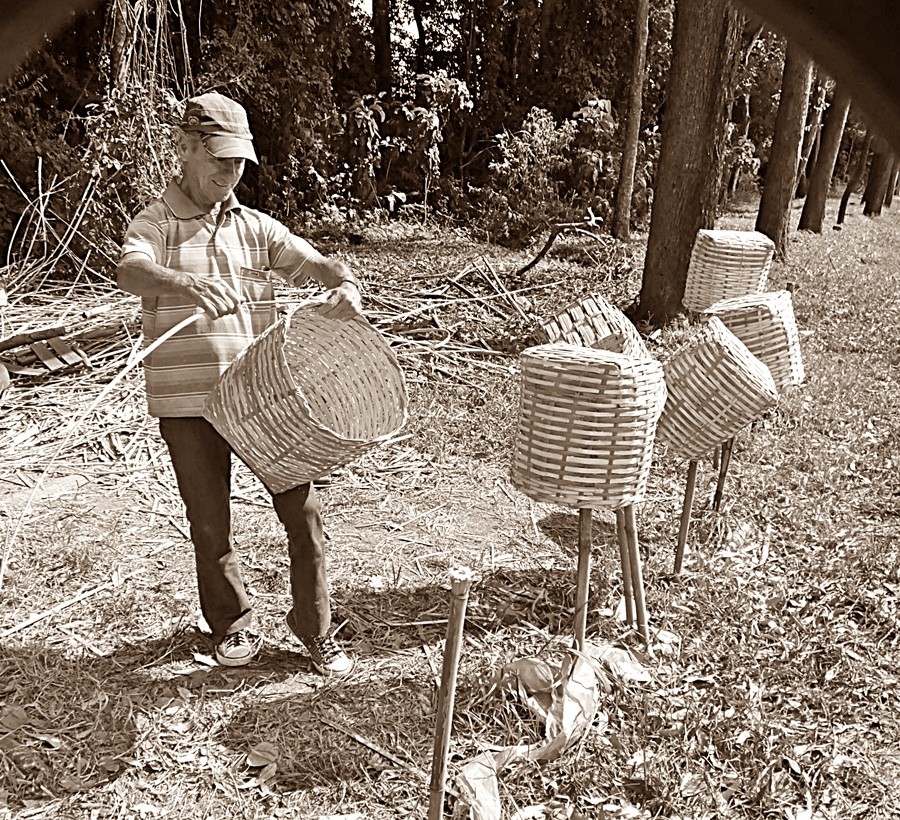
(594, 322)
(584, 439)
(307, 396)
(725, 264)
(716, 387)
(765, 323)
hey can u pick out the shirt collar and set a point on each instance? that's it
(184, 207)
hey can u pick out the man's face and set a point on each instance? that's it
(206, 179)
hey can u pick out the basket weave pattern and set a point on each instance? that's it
(765, 323)
(586, 425)
(716, 387)
(594, 322)
(307, 396)
(726, 264)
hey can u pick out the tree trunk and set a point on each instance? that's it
(621, 227)
(855, 176)
(422, 46)
(879, 177)
(548, 24)
(810, 138)
(820, 180)
(381, 37)
(741, 119)
(781, 174)
(704, 57)
(740, 105)
(120, 44)
(892, 184)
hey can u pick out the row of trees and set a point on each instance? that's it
(801, 161)
(508, 116)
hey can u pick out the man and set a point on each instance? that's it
(197, 247)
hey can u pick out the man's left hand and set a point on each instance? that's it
(342, 302)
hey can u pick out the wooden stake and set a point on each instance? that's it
(583, 583)
(622, 537)
(685, 515)
(723, 471)
(460, 580)
(637, 578)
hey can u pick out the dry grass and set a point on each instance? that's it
(778, 700)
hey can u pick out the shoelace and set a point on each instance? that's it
(236, 640)
(327, 648)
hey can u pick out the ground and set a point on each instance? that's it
(770, 690)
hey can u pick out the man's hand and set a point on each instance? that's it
(342, 302)
(140, 275)
(214, 295)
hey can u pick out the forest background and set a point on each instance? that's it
(504, 118)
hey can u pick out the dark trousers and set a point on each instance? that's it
(202, 461)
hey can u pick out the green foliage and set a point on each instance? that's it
(417, 131)
(760, 76)
(288, 63)
(547, 173)
(362, 132)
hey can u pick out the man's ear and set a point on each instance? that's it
(182, 144)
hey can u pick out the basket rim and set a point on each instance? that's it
(280, 328)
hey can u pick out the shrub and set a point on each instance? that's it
(547, 173)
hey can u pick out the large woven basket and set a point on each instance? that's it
(307, 396)
(765, 323)
(594, 322)
(716, 387)
(725, 264)
(586, 425)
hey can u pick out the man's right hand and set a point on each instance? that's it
(214, 295)
(138, 274)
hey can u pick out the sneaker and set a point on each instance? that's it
(326, 654)
(236, 649)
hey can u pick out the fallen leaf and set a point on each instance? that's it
(530, 813)
(622, 664)
(262, 754)
(206, 660)
(12, 718)
(49, 740)
(692, 784)
(267, 773)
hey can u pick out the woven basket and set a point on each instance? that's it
(716, 388)
(765, 323)
(586, 425)
(594, 322)
(725, 264)
(307, 396)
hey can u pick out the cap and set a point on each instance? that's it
(223, 124)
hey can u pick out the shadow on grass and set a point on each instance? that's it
(340, 732)
(71, 723)
(67, 724)
(562, 527)
(392, 620)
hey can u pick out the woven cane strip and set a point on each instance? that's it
(725, 264)
(715, 388)
(594, 322)
(765, 323)
(586, 425)
(309, 395)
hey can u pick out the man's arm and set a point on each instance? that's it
(138, 274)
(343, 298)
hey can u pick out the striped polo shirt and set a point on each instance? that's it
(241, 245)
